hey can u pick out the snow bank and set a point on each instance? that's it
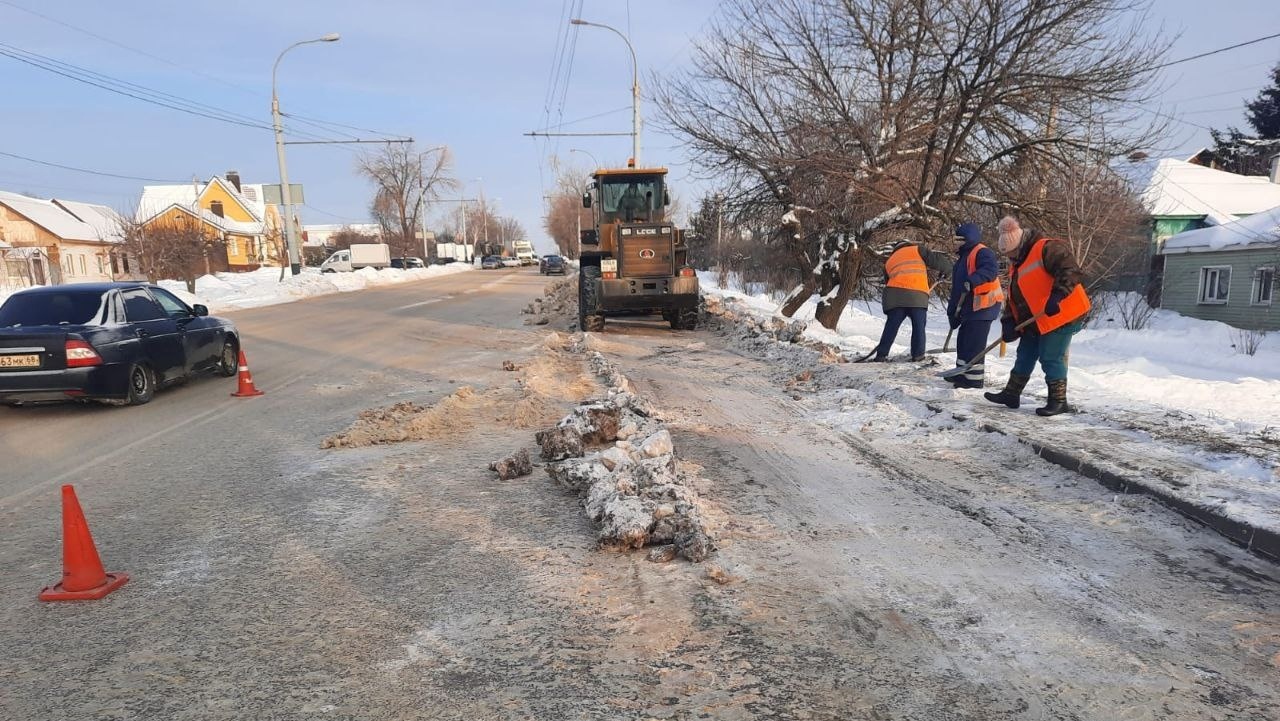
(234, 291)
(1176, 365)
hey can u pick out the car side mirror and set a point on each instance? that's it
(200, 310)
(666, 198)
(586, 200)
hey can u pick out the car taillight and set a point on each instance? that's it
(81, 354)
(608, 275)
(687, 272)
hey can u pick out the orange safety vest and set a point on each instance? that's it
(989, 293)
(1035, 284)
(906, 269)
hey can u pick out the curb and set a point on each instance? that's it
(1259, 541)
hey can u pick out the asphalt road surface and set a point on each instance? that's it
(870, 577)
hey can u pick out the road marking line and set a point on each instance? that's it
(422, 303)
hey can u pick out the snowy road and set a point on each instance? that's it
(887, 562)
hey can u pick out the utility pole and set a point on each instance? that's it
(635, 88)
(286, 195)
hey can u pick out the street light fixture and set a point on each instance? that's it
(286, 194)
(635, 87)
(589, 155)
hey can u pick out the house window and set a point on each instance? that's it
(84, 268)
(69, 264)
(216, 208)
(1264, 283)
(1215, 284)
(102, 265)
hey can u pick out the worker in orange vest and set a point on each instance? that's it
(1044, 278)
(976, 297)
(906, 294)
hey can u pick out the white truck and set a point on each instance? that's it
(360, 255)
(524, 251)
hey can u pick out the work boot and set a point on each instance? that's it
(1011, 396)
(1057, 399)
(963, 382)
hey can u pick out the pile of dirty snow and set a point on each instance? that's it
(621, 462)
(558, 303)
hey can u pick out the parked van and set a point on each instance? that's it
(360, 255)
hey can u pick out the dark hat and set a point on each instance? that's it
(968, 232)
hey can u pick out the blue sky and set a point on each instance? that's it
(473, 75)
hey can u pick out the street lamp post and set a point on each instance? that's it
(286, 195)
(635, 87)
(589, 155)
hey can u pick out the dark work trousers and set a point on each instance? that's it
(970, 342)
(893, 321)
(1050, 349)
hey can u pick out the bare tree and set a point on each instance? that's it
(863, 120)
(565, 215)
(348, 236)
(179, 246)
(406, 180)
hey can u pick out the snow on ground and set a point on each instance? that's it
(233, 291)
(1178, 365)
(1172, 406)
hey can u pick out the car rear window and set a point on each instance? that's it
(68, 307)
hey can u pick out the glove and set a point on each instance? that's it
(968, 287)
(955, 321)
(1054, 305)
(1009, 330)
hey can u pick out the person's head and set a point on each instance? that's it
(968, 234)
(1010, 234)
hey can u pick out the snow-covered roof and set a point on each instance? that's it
(51, 217)
(104, 219)
(226, 224)
(159, 198)
(1177, 188)
(1259, 229)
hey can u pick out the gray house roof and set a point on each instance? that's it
(1257, 230)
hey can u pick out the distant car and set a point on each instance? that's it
(107, 341)
(406, 263)
(491, 262)
(444, 261)
(511, 262)
(551, 264)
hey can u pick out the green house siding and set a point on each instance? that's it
(1181, 291)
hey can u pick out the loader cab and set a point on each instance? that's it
(629, 196)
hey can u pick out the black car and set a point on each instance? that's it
(407, 262)
(107, 341)
(551, 264)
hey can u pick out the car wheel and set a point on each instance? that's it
(142, 384)
(229, 361)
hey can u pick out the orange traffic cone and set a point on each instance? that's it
(82, 576)
(247, 388)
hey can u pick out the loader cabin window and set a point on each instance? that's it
(631, 198)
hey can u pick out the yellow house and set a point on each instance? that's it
(251, 228)
(54, 241)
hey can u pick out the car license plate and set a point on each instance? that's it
(19, 361)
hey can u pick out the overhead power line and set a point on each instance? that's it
(1215, 52)
(86, 170)
(325, 125)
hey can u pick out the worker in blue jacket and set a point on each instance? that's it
(976, 296)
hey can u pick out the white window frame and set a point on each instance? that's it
(1217, 273)
(1255, 294)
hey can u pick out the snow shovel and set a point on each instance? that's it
(960, 370)
(946, 344)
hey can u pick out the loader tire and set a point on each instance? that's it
(684, 319)
(590, 319)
